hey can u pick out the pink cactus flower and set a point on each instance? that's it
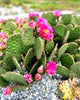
(32, 24)
(50, 68)
(4, 40)
(40, 69)
(1, 35)
(26, 20)
(38, 77)
(2, 45)
(5, 34)
(41, 21)
(46, 32)
(17, 20)
(2, 20)
(7, 90)
(28, 77)
(57, 13)
(33, 14)
(21, 22)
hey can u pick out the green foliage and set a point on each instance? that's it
(50, 18)
(18, 87)
(11, 25)
(72, 46)
(76, 68)
(67, 60)
(77, 57)
(62, 71)
(62, 50)
(27, 37)
(28, 58)
(3, 83)
(15, 78)
(74, 19)
(38, 48)
(66, 19)
(17, 65)
(60, 30)
(49, 46)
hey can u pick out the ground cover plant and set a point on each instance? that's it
(49, 43)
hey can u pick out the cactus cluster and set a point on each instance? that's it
(35, 41)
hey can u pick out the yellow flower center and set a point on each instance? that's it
(46, 31)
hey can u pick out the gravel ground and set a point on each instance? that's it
(42, 90)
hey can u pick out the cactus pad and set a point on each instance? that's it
(27, 37)
(38, 47)
(60, 30)
(62, 71)
(66, 19)
(15, 78)
(62, 49)
(49, 46)
(67, 60)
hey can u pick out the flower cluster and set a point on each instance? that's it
(28, 77)
(50, 68)
(3, 39)
(32, 24)
(19, 22)
(33, 14)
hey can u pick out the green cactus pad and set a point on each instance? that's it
(15, 78)
(17, 64)
(74, 19)
(72, 46)
(11, 25)
(8, 63)
(50, 18)
(43, 60)
(49, 46)
(79, 21)
(77, 57)
(27, 37)
(60, 29)
(3, 83)
(66, 37)
(66, 19)
(62, 71)
(76, 68)
(62, 49)
(14, 44)
(38, 47)
(52, 55)
(33, 70)
(75, 34)
(67, 60)
(73, 74)
(18, 87)
(28, 58)
(2, 71)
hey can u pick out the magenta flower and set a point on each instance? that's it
(57, 13)
(41, 21)
(26, 20)
(40, 69)
(17, 20)
(50, 68)
(46, 32)
(7, 90)
(2, 20)
(38, 77)
(21, 22)
(1, 35)
(33, 14)
(32, 24)
(28, 77)
(2, 45)
(5, 34)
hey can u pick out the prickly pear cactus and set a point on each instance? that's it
(26, 44)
